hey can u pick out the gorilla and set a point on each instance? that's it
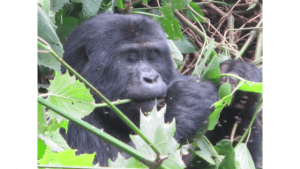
(128, 57)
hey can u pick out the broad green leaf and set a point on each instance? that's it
(66, 158)
(225, 148)
(249, 86)
(212, 71)
(224, 90)
(66, 28)
(89, 7)
(70, 95)
(243, 158)
(41, 149)
(206, 151)
(188, 13)
(253, 5)
(41, 119)
(46, 30)
(54, 125)
(56, 5)
(185, 46)
(169, 23)
(176, 54)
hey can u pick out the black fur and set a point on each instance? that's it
(127, 56)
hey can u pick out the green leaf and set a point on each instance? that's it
(41, 119)
(41, 149)
(176, 54)
(54, 140)
(185, 46)
(206, 152)
(224, 90)
(118, 3)
(66, 28)
(66, 158)
(222, 58)
(212, 71)
(56, 5)
(188, 13)
(225, 148)
(169, 23)
(161, 135)
(249, 86)
(89, 7)
(46, 30)
(243, 158)
(121, 162)
(253, 5)
(214, 116)
(70, 95)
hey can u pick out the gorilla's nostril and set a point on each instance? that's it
(148, 80)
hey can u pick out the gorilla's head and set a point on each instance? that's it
(124, 57)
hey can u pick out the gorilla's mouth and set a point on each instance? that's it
(147, 105)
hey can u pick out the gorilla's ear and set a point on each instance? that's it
(75, 55)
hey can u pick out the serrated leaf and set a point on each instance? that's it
(243, 158)
(121, 162)
(161, 135)
(212, 71)
(225, 148)
(253, 5)
(70, 95)
(189, 14)
(54, 140)
(224, 90)
(66, 28)
(184, 45)
(169, 23)
(46, 30)
(249, 86)
(66, 158)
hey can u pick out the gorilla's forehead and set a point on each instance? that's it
(158, 45)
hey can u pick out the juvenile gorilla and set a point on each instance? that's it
(128, 57)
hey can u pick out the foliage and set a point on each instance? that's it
(57, 19)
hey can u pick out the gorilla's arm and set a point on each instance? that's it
(190, 102)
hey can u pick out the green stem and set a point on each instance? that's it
(251, 122)
(259, 44)
(252, 36)
(102, 97)
(106, 137)
(145, 13)
(114, 103)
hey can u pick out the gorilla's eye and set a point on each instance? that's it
(153, 55)
(132, 57)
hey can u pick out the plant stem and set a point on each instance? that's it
(114, 103)
(106, 137)
(251, 122)
(102, 97)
